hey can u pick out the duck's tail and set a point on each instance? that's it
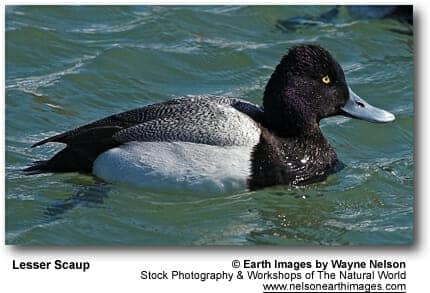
(82, 149)
(37, 168)
(67, 160)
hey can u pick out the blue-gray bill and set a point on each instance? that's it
(356, 107)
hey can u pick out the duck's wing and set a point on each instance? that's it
(202, 119)
(208, 123)
(147, 122)
(117, 122)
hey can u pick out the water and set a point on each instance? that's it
(66, 66)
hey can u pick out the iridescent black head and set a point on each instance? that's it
(307, 86)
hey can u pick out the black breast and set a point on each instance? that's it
(291, 161)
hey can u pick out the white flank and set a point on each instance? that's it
(177, 166)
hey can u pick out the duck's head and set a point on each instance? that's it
(309, 85)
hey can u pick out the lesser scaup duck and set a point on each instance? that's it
(221, 143)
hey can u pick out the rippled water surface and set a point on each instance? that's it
(66, 66)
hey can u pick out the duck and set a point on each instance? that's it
(221, 144)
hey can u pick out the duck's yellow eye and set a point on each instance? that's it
(326, 79)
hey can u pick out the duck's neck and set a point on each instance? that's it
(286, 115)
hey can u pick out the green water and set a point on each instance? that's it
(66, 66)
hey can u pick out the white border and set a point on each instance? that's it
(117, 269)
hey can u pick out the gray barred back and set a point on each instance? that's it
(213, 121)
